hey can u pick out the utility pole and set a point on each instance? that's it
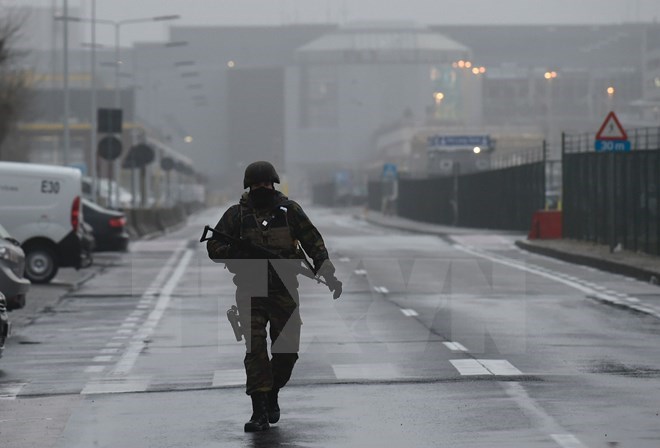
(93, 117)
(67, 137)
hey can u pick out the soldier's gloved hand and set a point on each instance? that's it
(334, 285)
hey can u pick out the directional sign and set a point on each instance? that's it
(613, 146)
(458, 141)
(611, 129)
(389, 171)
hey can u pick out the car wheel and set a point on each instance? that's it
(40, 264)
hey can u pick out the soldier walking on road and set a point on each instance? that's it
(267, 292)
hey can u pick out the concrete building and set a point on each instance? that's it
(348, 84)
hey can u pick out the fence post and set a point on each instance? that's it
(457, 172)
(611, 175)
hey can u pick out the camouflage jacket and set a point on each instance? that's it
(301, 229)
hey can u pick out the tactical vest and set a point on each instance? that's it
(271, 230)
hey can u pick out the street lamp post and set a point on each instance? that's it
(65, 49)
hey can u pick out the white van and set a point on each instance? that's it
(40, 207)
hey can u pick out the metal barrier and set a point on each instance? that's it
(503, 199)
(375, 195)
(612, 198)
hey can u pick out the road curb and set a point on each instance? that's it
(645, 275)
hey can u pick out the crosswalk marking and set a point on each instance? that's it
(468, 367)
(499, 366)
(94, 369)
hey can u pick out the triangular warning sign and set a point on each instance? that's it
(611, 129)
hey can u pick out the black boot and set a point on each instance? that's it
(259, 419)
(273, 406)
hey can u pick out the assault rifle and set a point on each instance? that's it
(306, 269)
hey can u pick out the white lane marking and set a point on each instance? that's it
(361, 272)
(409, 312)
(94, 369)
(11, 390)
(381, 289)
(455, 346)
(499, 367)
(116, 385)
(538, 417)
(102, 358)
(365, 371)
(137, 344)
(549, 274)
(469, 367)
(229, 377)
(567, 441)
(344, 259)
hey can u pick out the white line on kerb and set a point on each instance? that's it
(136, 346)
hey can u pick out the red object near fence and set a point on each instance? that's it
(546, 225)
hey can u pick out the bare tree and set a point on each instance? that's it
(14, 80)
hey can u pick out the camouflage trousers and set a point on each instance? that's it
(280, 310)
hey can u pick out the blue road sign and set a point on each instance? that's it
(389, 171)
(458, 141)
(613, 145)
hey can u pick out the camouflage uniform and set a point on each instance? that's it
(278, 229)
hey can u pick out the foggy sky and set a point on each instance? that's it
(275, 12)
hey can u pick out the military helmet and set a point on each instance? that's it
(259, 172)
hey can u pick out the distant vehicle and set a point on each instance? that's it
(40, 206)
(109, 227)
(4, 323)
(12, 267)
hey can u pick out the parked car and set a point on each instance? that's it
(40, 207)
(109, 227)
(4, 323)
(12, 267)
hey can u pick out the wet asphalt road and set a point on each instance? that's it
(462, 341)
